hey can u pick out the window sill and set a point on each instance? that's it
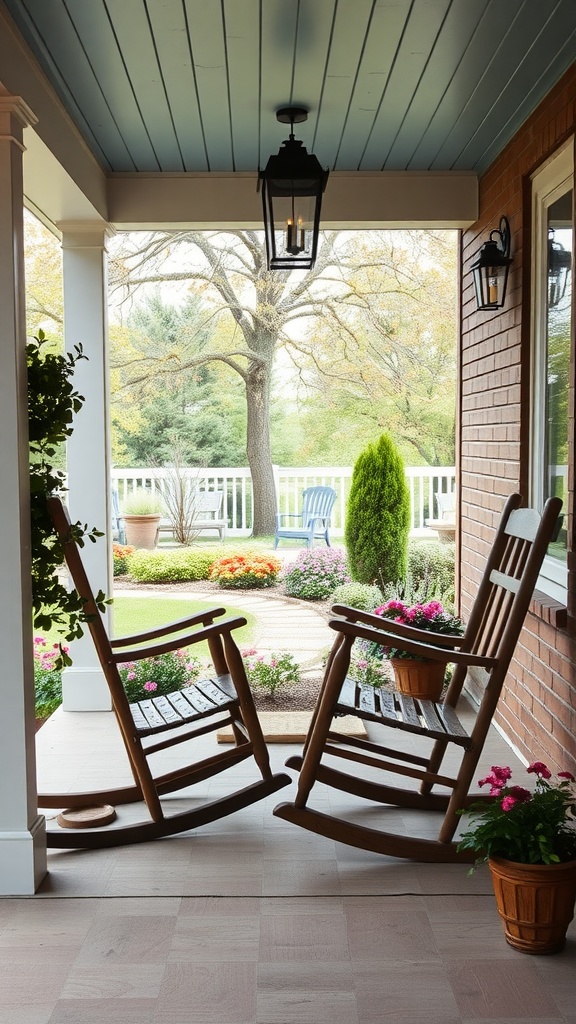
(549, 610)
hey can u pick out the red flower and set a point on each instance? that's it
(538, 768)
(566, 775)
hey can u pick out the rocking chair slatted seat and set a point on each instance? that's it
(150, 726)
(481, 658)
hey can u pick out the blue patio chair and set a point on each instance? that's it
(314, 519)
(118, 530)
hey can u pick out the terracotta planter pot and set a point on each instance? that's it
(142, 531)
(535, 902)
(422, 679)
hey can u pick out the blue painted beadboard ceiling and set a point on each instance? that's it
(193, 85)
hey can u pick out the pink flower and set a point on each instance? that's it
(39, 640)
(566, 775)
(538, 768)
(150, 686)
(131, 676)
(503, 774)
(508, 803)
(521, 795)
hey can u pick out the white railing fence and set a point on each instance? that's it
(236, 483)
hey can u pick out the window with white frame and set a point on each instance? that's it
(552, 272)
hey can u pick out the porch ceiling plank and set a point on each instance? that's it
(501, 63)
(316, 26)
(495, 23)
(242, 23)
(421, 33)
(136, 41)
(349, 32)
(212, 82)
(171, 40)
(520, 93)
(370, 81)
(451, 49)
(66, 65)
(277, 46)
(100, 46)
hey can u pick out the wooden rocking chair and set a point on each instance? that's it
(481, 657)
(154, 725)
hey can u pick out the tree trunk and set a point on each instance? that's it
(258, 448)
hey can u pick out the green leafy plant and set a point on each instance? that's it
(158, 676)
(246, 571)
(170, 566)
(526, 827)
(364, 596)
(52, 404)
(47, 678)
(270, 671)
(367, 669)
(431, 570)
(378, 514)
(316, 573)
(120, 555)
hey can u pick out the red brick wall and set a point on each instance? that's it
(538, 709)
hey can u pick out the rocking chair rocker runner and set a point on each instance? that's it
(481, 657)
(155, 725)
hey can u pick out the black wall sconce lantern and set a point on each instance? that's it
(559, 267)
(490, 269)
(292, 186)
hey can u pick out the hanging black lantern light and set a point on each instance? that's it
(292, 186)
(490, 270)
(559, 267)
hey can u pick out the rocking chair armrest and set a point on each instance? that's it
(205, 618)
(400, 628)
(427, 650)
(211, 630)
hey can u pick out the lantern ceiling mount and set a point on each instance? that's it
(293, 183)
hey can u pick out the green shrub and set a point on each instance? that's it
(431, 569)
(170, 566)
(157, 676)
(120, 554)
(364, 596)
(378, 515)
(316, 573)
(270, 671)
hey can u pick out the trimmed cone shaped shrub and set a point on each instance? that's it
(378, 515)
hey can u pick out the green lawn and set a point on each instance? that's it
(137, 614)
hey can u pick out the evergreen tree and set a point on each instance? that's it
(378, 515)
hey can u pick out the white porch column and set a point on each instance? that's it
(88, 449)
(22, 830)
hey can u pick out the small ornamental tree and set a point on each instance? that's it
(378, 515)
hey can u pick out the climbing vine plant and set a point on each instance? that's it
(52, 405)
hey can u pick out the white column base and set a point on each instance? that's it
(85, 689)
(23, 861)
